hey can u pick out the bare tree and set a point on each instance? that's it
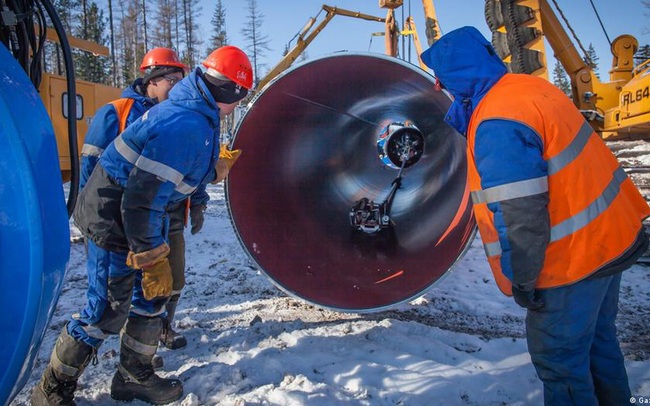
(257, 43)
(192, 41)
(67, 10)
(130, 33)
(144, 24)
(111, 34)
(642, 55)
(163, 31)
(177, 25)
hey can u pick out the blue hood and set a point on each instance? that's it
(467, 65)
(137, 92)
(192, 93)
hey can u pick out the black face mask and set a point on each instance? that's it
(227, 92)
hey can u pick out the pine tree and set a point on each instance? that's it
(67, 11)
(258, 43)
(591, 59)
(642, 55)
(219, 36)
(92, 27)
(561, 79)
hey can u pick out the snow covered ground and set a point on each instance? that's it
(461, 343)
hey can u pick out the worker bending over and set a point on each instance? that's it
(559, 218)
(158, 161)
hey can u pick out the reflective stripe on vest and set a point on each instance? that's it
(569, 225)
(571, 151)
(161, 170)
(512, 190)
(595, 210)
(91, 150)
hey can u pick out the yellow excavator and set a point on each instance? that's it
(618, 109)
(90, 97)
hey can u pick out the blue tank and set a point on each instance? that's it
(34, 228)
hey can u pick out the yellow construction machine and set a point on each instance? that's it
(89, 97)
(617, 109)
(521, 30)
(392, 32)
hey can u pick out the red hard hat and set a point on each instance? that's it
(162, 57)
(233, 63)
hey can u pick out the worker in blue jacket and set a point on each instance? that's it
(162, 70)
(158, 161)
(558, 217)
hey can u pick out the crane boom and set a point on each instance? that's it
(307, 35)
(431, 22)
(410, 29)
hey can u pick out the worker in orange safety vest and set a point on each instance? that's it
(558, 217)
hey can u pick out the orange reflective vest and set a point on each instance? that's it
(122, 109)
(595, 210)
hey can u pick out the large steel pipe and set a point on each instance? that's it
(34, 229)
(310, 151)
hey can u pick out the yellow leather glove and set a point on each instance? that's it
(146, 259)
(228, 155)
(157, 280)
(227, 159)
(156, 271)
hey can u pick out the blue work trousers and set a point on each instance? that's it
(573, 345)
(114, 292)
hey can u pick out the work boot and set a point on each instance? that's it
(145, 385)
(59, 381)
(135, 377)
(170, 338)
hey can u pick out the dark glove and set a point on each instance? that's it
(196, 217)
(527, 299)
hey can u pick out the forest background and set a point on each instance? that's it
(128, 28)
